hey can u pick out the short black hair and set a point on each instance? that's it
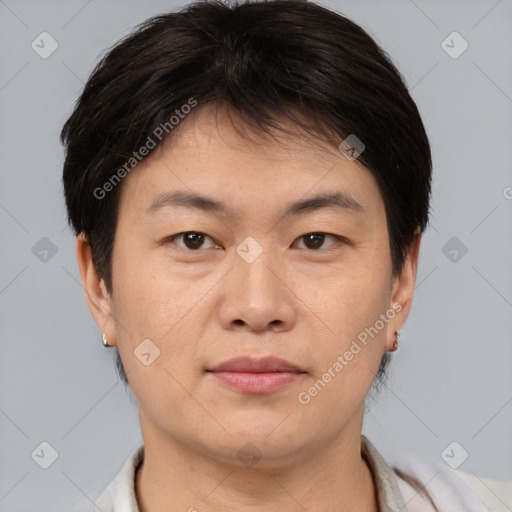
(269, 62)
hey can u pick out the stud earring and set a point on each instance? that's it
(105, 341)
(398, 334)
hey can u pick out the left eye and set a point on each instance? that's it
(193, 240)
(315, 241)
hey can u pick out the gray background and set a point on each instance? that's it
(451, 378)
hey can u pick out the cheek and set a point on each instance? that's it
(348, 361)
(349, 301)
(151, 305)
(351, 334)
(153, 301)
(142, 306)
(150, 297)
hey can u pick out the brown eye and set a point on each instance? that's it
(192, 240)
(314, 241)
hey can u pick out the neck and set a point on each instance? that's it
(175, 478)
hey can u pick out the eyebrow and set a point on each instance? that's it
(335, 200)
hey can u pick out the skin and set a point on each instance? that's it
(203, 306)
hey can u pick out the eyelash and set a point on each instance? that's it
(337, 239)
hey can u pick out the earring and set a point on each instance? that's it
(105, 341)
(398, 334)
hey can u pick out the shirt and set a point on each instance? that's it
(450, 492)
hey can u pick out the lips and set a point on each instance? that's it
(267, 364)
(256, 376)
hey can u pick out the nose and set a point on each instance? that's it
(256, 297)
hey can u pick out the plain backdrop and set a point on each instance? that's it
(451, 379)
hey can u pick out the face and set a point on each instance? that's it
(227, 248)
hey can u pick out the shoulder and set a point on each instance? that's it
(410, 484)
(120, 493)
(496, 494)
(437, 487)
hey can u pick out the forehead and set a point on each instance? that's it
(213, 155)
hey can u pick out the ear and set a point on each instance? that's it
(98, 298)
(403, 289)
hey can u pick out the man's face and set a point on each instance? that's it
(247, 281)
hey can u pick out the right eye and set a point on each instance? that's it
(191, 240)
